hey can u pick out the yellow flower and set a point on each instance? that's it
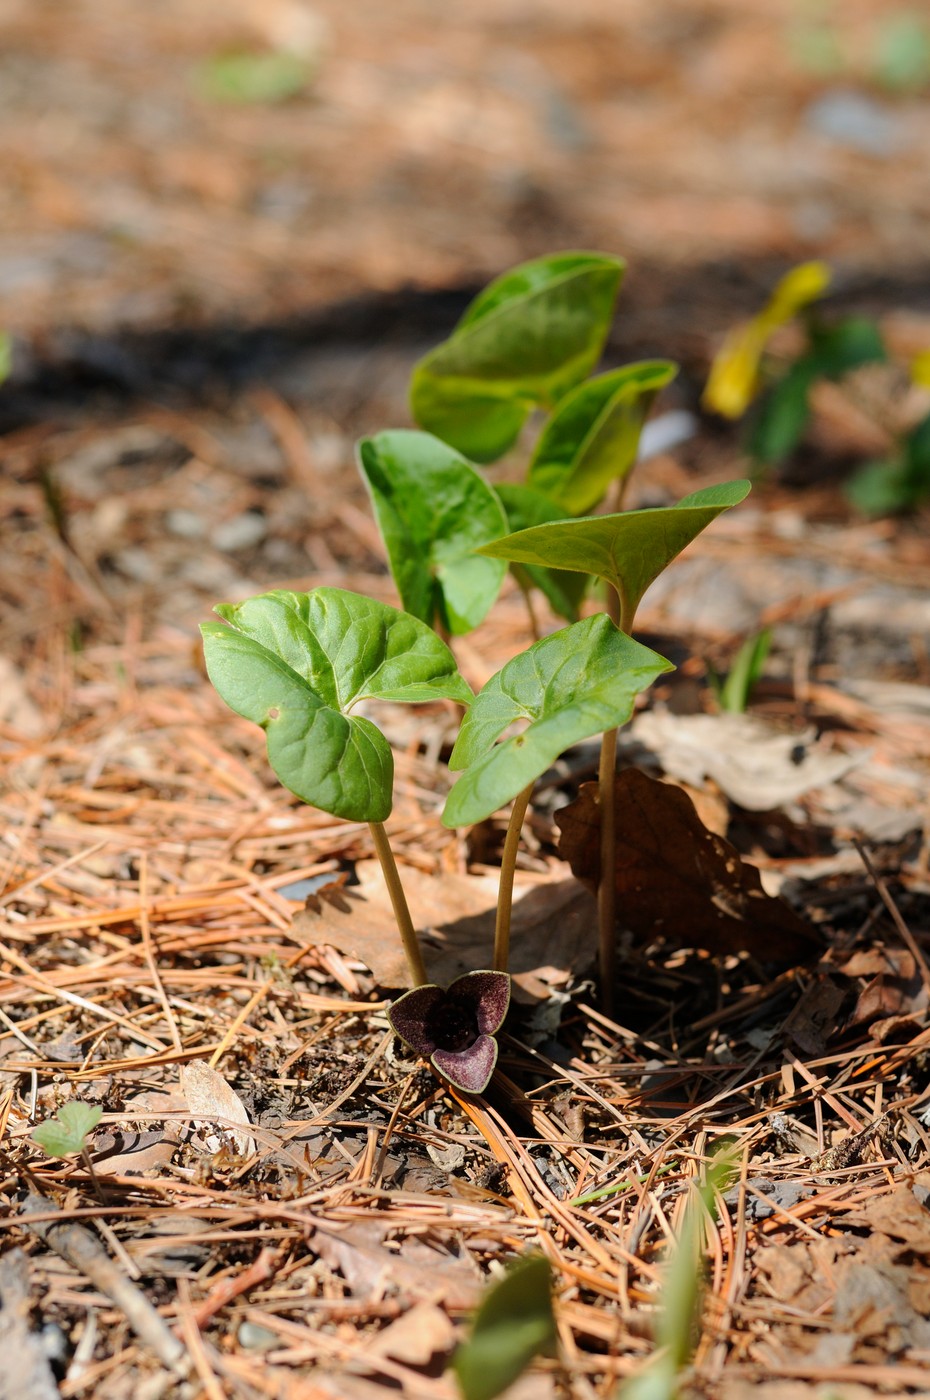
(920, 370)
(734, 374)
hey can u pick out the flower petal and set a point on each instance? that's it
(469, 1070)
(409, 1016)
(489, 992)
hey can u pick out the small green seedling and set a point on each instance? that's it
(256, 78)
(898, 483)
(514, 1324)
(65, 1135)
(733, 692)
(775, 393)
(682, 1293)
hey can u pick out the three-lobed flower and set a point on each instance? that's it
(454, 1027)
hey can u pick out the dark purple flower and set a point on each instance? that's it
(456, 1027)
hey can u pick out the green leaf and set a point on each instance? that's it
(269, 77)
(593, 437)
(734, 693)
(682, 1291)
(629, 550)
(580, 681)
(902, 53)
(527, 339)
(846, 345)
(784, 411)
(782, 415)
(296, 663)
(525, 507)
(899, 484)
(514, 1323)
(434, 510)
(65, 1134)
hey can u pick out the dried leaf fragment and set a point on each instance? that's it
(211, 1100)
(677, 879)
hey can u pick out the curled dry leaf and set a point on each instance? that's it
(211, 1100)
(677, 879)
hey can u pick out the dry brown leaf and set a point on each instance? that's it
(211, 1100)
(676, 878)
(553, 931)
(415, 1270)
(895, 994)
(816, 1016)
(786, 1269)
(900, 1217)
(896, 1030)
(416, 1337)
(880, 961)
(134, 1150)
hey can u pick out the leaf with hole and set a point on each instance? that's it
(577, 683)
(66, 1134)
(514, 1323)
(628, 550)
(592, 437)
(297, 663)
(434, 510)
(527, 339)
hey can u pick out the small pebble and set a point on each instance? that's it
(255, 1338)
(186, 524)
(242, 532)
(855, 121)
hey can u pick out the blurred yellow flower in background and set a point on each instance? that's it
(734, 375)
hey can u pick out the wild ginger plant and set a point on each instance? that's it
(298, 664)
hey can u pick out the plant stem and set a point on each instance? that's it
(526, 589)
(399, 904)
(505, 889)
(95, 1180)
(606, 887)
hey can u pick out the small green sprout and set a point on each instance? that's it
(733, 692)
(65, 1135)
(514, 1323)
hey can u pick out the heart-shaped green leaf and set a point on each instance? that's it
(434, 510)
(580, 681)
(296, 663)
(65, 1134)
(527, 339)
(593, 436)
(629, 550)
(525, 507)
(514, 1323)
